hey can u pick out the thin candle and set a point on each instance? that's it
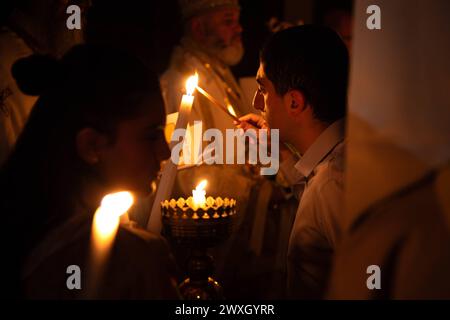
(217, 103)
(170, 169)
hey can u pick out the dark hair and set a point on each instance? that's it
(92, 86)
(311, 59)
(143, 29)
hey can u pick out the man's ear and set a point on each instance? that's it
(90, 144)
(295, 101)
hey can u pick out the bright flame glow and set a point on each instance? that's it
(105, 228)
(231, 110)
(116, 204)
(191, 84)
(199, 194)
(107, 218)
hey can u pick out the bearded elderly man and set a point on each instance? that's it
(211, 44)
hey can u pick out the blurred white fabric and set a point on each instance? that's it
(399, 110)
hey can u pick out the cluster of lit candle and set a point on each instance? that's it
(198, 206)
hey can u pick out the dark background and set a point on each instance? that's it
(120, 20)
(255, 15)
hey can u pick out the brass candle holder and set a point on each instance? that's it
(199, 227)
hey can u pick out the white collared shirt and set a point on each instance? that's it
(317, 225)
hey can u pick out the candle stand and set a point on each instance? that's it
(197, 229)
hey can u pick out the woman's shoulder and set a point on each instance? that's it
(139, 265)
(141, 239)
(145, 260)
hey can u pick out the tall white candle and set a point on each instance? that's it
(170, 169)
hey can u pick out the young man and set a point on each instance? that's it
(302, 90)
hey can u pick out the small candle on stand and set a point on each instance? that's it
(199, 195)
(170, 169)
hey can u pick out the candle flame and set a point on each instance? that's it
(107, 216)
(191, 84)
(104, 229)
(231, 110)
(201, 185)
(199, 194)
(117, 203)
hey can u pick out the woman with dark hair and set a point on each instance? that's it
(95, 129)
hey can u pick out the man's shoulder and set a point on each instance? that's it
(182, 63)
(331, 169)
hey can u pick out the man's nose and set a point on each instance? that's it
(258, 101)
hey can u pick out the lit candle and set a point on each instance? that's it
(186, 102)
(104, 228)
(231, 110)
(170, 169)
(107, 219)
(199, 195)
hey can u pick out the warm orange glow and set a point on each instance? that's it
(117, 203)
(231, 110)
(199, 194)
(107, 218)
(191, 84)
(104, 229)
